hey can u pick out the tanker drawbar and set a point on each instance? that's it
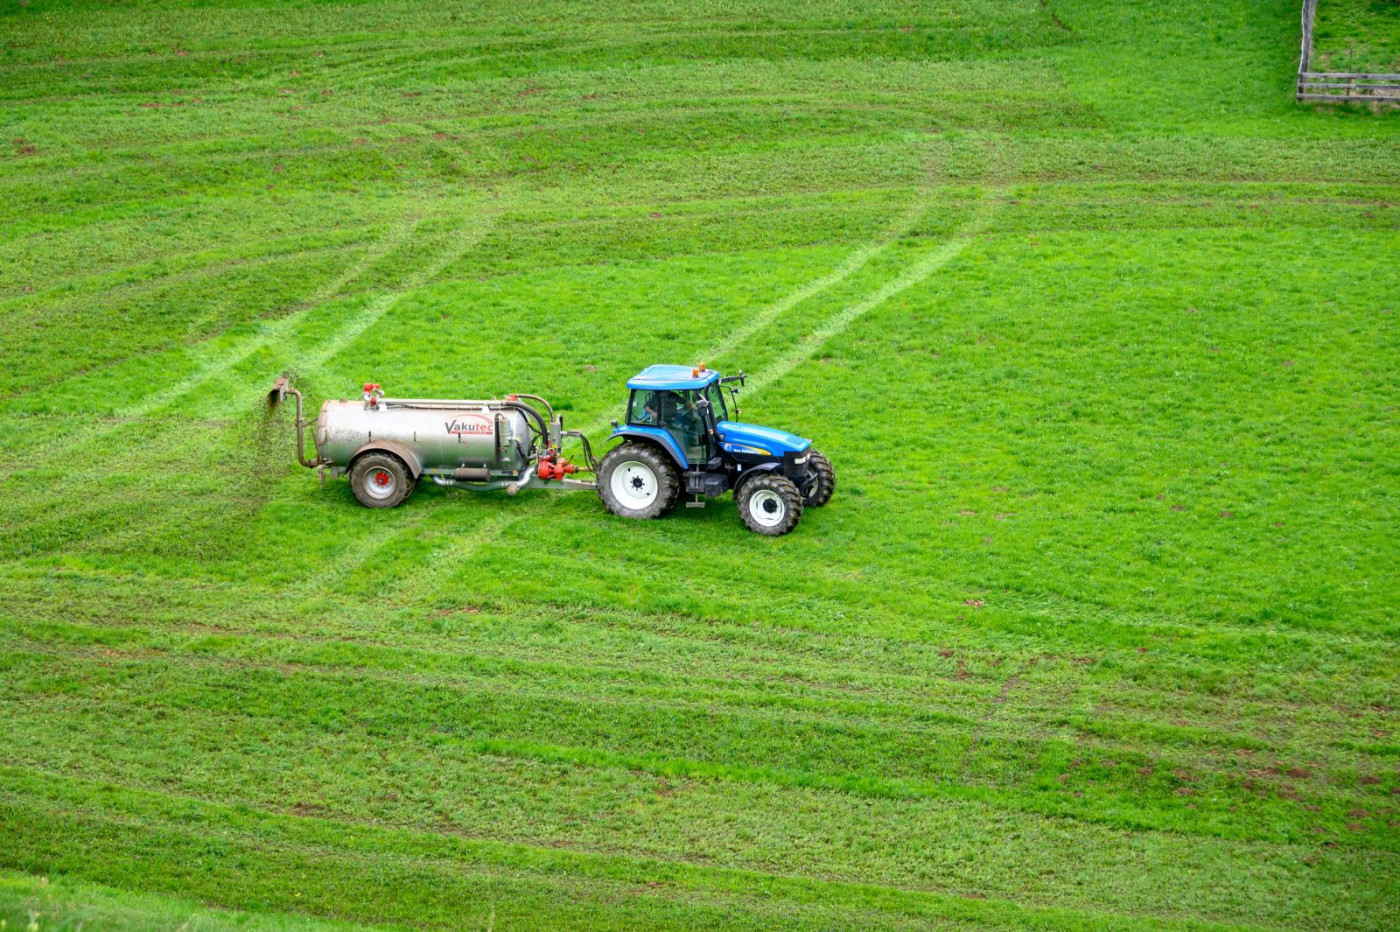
(681, 440)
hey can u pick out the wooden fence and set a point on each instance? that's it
(1340, 86)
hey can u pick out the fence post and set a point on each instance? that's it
(1305, 58)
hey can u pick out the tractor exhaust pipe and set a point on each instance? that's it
(275, 395)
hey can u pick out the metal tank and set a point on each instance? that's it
(465, 440)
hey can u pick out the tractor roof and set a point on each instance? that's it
(674, 377)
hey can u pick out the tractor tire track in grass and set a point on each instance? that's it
(272, 334)
(148, 456)
(915, 274)
(856, 261)
(345, 336)
(350, 330)
(57, 815)
(420, 586)
(217, 360)
(602, 727)
(964, 665)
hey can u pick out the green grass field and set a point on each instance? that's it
(1098, 326)
(1357, 35)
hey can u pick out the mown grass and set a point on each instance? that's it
(1357, 35)
(1096, 323)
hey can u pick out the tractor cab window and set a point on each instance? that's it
(715, 394)
(673, 411)
(647, 408)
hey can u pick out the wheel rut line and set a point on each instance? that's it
(327, 348)
(852, 264)
(224, 361)
(736, 707)
(493, 852)
(381, 305)
(913, 275)
(808, 690)
(415, 588)
(155, 283)
(397, 235)
(363, 551)
(672, 767)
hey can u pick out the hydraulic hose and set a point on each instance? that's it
(530, 412)
(547, 406)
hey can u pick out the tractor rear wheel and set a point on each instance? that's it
(636, 480)
(380, 480)
(769, 504)
(826, 480)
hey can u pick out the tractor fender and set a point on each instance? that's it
(752, 471)
(656, 436)
(403, 452)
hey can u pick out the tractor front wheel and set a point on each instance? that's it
(636, 480)
(826, 480)
(769, 504)
(380, 480)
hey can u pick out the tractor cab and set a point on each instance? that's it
(673, 399)
(680, 439)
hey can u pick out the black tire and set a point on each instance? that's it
(826, 480)
(380, 480)
(647, 484)
(769, 504)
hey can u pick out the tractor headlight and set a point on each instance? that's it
(802, 460)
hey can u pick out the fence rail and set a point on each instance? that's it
(1348, 86)
(1340, 86)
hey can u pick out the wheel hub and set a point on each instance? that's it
(382, 484)
(634, 484)
(767, 507)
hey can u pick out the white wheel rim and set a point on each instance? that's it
(634, 484)
(767, 508)
(380, 483)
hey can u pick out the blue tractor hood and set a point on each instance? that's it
(738, 437)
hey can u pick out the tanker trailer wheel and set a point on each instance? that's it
(636, 480)
(769, 504)
(380, 480)
(826, 480)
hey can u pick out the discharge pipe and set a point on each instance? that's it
(281, 389)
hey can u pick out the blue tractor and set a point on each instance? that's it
(678, 439)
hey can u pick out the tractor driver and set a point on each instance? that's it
(674, 410)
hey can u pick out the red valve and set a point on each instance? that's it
(549, 468)
(371, 387)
